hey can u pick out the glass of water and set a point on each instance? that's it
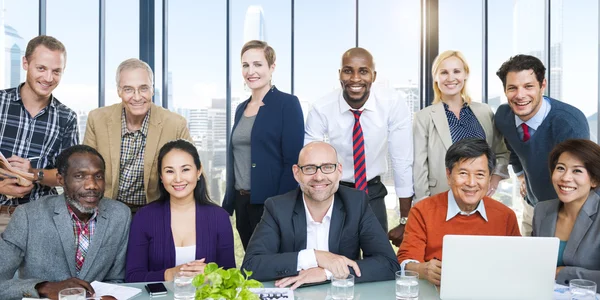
(72, 294)
(407, 285)
(582, 289)
(342, 288)
(183, 287)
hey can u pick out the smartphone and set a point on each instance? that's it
(156, 289)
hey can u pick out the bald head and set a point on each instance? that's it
(358, 53)
(317, 147)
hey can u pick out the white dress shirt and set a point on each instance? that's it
(386, 126)
(317, 238)
(454, 210)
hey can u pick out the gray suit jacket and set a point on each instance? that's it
(273, 249)
(431, 140)
(582, 253)
(40, 243)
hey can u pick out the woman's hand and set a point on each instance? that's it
(190, 269)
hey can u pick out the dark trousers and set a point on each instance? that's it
(377, 193)
(247, 216)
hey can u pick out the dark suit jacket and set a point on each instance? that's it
(39, 241)
(273, 249)
(582, 253)
(276, 139)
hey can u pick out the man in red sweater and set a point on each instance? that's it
(464, 209)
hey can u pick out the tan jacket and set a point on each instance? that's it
(431, 137)
(103, 132)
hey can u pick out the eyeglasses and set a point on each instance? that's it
(312, 169)
(131, 90)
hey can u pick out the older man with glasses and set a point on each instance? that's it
(330, 226)
(131, 156)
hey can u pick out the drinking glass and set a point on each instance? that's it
(407, 285)
(342, 288)
(72, 294)
(183, 287)
(582, 289)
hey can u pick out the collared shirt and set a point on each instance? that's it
(131, 181)
(44, 135)
(467, 126)
(454, 210)
(387, 129)
(83, 232)
(317, 238)
(536, 120)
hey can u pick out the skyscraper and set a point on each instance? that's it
(254, 24)
(10, 57)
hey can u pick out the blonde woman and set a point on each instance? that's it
(450, 118)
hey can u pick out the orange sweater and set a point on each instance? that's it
(427, 226)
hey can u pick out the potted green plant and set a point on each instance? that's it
(231, 284)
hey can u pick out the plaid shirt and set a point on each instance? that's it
(131, 181)
(83, 236)
(45, 135)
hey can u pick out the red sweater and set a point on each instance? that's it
(427, 226)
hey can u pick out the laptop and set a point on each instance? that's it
(498, 267)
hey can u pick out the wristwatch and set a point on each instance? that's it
(40, 176)
(403, 220)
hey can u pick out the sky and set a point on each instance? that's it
(323, 31)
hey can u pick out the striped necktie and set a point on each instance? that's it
(360, 164)
(526, 135)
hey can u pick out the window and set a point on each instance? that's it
(78, 88)
(18, 25)
(196, 81)
(122, 41)
(514, 27)
(574, 57)
(460, 28)
(324, 30)
(396, 61)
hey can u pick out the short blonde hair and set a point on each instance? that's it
(134, 63)
(434, 69)
(256, 44)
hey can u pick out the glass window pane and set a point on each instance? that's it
(267, 20)
(78, 88)
(514, 27)
(196, 81)
(18, 25)
(122, 41)
(461, 28)
(323, 31)
(574, 57)
(398, 23)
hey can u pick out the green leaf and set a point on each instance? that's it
(253, 284)
(210, 267)
(248, 273)
(198, 280)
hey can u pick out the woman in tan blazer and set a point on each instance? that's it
(450, 118)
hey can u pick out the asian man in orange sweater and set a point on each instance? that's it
(464, 209)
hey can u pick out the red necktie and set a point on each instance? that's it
(526, 135)
(360, 164)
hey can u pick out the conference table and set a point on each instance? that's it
(365, 291)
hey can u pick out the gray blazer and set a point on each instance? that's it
(273, 249)
(431, 140)
(582, 253)
(40, 243)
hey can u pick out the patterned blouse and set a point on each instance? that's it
(466, 127)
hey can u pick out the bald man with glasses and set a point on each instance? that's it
(330, 226)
